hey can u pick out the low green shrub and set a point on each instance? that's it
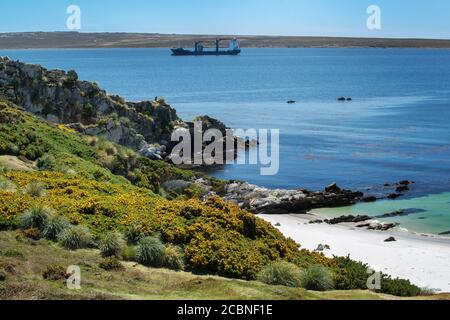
(281, 273)
(7, 224)
(173, 258)
(128, 253)
(317, 277)
(133, 234)
(75, 237)
(35, 189)
(399, 287)
(71, 79)
(349, 274)
(111, 263)
(54, 273)
(46, 163)
(6, 185)
(13, 149)
(88, 112)
(54, 226)
(36, 217)
(111, 150)
(150, 252)
(110, 244)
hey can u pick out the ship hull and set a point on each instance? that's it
(184, 52)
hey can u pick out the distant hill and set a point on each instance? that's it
(41, 40)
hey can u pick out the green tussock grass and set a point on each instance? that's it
(24, 279)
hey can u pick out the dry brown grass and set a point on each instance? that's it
(15, 164)
(32, 40)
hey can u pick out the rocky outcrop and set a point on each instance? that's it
(220, 156)
(380, 226)
(333, 188)
(401, 213)
(394, 196)
(59, 97)
(261, 200)
(368, 223)
(398, 189)
(211, 123)
(402, 188)
(369, 199)
(347, 219)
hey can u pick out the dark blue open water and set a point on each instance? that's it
(397, 126)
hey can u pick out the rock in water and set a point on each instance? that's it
(390, 239)
(400, 213)
(349, 218)
(402, 188)
(333, 188)
(369, 199)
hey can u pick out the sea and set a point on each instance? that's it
(396, 127)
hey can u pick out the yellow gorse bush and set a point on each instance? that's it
(101, 206)
(64, 128)
(221, 237)
(217, 236)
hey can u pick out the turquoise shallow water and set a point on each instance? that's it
(397, 126)
(434, 218)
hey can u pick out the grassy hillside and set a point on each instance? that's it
(29, 259)
(26, 260)
(95, 199)
(57, 148)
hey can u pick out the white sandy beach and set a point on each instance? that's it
(423, 260)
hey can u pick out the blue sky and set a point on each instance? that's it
(400, 18)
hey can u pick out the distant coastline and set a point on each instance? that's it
(44, 40)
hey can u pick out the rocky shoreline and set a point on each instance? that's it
(262, 200)
(60, 97)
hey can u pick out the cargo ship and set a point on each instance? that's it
(200, 50)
